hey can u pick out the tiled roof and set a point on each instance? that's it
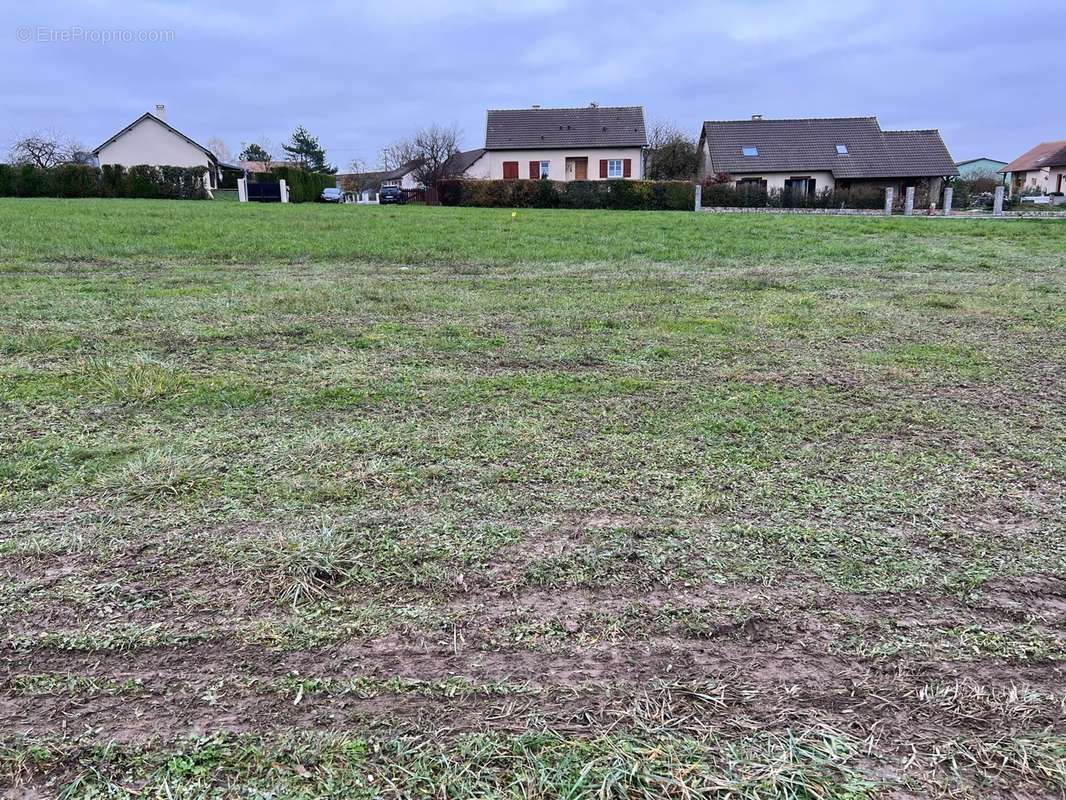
(792, 145)
(1046, 154)
(919, 153)
(590, 126)
(461, 162)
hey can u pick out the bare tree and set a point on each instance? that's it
(46, 149)
(671, 154)
(218, 147)
(429, 150)
(434, 146)
(397, 154)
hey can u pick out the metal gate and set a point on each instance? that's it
(265, 192)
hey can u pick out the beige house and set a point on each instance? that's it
(150, 140)
(812, 155)
(1042, 169)
(562, 144)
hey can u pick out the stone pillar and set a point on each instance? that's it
(699, 196)
(284, 191)
(997, 207)
(242, 189)
(949, 195)
(908, 204)
(888, 201)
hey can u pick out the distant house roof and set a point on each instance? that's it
(591, 126)
(373, 180)
(849, 147)
(462, 161)
(982, 158)
(1045, 154)
(150, 116)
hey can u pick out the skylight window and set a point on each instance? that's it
(751, 151)
(842, 149)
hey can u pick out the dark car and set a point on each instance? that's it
(392, 194)
(332, 196)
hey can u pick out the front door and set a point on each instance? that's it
(577, 169)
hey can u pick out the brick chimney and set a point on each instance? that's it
(756, 116)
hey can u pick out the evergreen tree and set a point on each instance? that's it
(305, 151)
(254, 152)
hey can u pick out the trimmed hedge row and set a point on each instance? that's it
(110, 180)
(724, 195)
(616, 194)
(304, 187)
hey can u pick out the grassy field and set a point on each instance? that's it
(320, 501)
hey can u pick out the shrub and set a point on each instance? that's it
(450, 191)
(31, 181)
(110, 180)
(113, 181)
(7, 180)
(616, 194)
(144, 181)
(304, 187)
(76, 180)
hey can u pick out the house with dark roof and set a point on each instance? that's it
(150, 139)
(1042, 169)
(563, 144)
(365, 185)
(811, 155)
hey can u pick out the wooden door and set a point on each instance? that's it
(581, 169)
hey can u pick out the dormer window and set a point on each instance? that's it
(751, 151)
(842, 149)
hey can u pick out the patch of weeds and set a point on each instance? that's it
(303, 566)
(161, 475)
(142, 380)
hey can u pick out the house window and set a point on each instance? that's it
(751, 151)
(545, 166)
(390, 183)
(510, 170)
(842, 149)
(614, 168)
(751, 185)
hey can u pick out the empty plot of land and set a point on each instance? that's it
(335, 501)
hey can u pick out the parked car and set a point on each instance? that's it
(392, 194)
(332, 196)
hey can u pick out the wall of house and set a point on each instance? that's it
(557, 169)
(481, 169)
(776, 180)
(149, 142)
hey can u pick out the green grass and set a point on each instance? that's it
(580, 504)
(428, 238)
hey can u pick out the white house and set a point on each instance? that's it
(1042, 169)
(562, 144)
(150, 140)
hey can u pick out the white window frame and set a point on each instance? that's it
(611, 172)
(545, 169)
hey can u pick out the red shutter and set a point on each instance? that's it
(627, 167)
(510, 170)
(534, 170)
(603, 167)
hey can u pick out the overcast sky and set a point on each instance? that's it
(362, 73)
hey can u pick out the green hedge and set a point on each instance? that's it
(724, 195)
(616, 194)
(304, 187)
(111, 180)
